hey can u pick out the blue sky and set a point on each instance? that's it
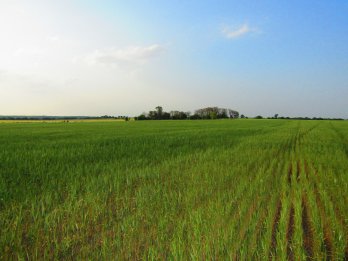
(126, 57)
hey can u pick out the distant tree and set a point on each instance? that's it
(178, 115)
(157, 114)
(159, 110)
(152, 115)
(213, 115)
(194, 117)
(276, 116)
(165, 116)
(233, 114)
(222, 113)
(141, 117)
(204, 113)
(242, 116)
(174, 115)
(259, 117)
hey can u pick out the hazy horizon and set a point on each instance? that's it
(123, 58)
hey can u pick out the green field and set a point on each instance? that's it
(177, 190)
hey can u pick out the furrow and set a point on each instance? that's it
(307, 230)
(289, 234)
(275, 229)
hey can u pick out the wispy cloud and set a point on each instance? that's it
(129, 55)
(233, 33)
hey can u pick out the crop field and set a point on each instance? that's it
(174, 190)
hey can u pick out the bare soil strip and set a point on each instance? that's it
(289, 234)
(275, 229)
(328, 241)
(258, 229)
(244, 228)
(307, 230)
(306, 168)
(289, 174)
(298, 170)
(327, 231)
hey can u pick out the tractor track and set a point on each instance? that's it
(327, 232)
(289, 174)
(276, 219)
(307, 230)
(289, 234)
(328, 241)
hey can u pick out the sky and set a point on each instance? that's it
(94, 57)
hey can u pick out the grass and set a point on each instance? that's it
(223, 189)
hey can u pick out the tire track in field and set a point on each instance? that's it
(308, 241)
(342, 221)
(294, 145)
(289, 174)
(249, 220)
(246, 188)
(257, 231)
(327, 232)
(298, 165)
(289, 234)
(328, 241)
(275, 224)
(256, 207)
(337, 211)
(306, 222)
(249, 186)
(248, 216)
(251, 168)
(291, 222)
(328, 238)
(307, 230)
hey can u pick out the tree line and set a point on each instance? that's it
(204, 113)
(276, 116)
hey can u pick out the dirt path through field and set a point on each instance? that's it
(275, 229)
(307, 230)
(289, 234)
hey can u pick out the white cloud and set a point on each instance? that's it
(129, 55)
(237, 32)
